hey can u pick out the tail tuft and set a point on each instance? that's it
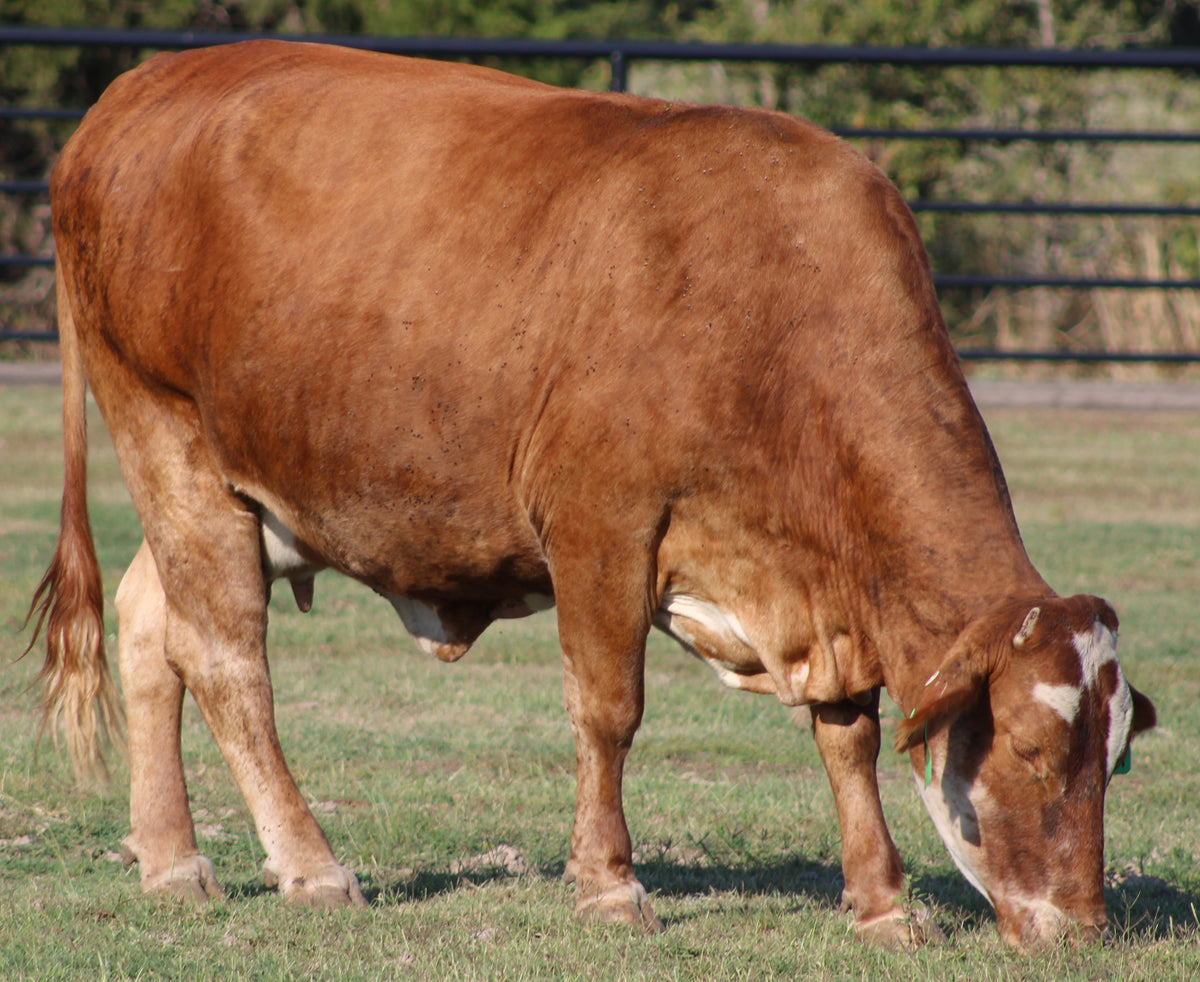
(78, 694)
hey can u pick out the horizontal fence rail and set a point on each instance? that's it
(620, 54)
(628, 50)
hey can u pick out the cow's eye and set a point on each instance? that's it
(1031, 754)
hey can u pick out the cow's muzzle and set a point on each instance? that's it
(1041, 924)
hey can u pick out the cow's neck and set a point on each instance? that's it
(943, 550)
(922, 533)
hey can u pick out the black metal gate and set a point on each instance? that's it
(619, 55)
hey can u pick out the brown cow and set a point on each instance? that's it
(484, 345)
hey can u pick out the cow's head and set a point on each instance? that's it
(1014, 740)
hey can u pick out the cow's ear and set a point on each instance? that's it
(1145, 717)
(953, 688)
(962, 677)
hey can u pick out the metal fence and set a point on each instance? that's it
(619, 55)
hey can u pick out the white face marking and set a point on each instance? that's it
(1063, 699)
(955, 804)
(951, 803)
(1120, 718)
(1096, 649)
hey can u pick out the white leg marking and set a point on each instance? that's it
(1063, 699)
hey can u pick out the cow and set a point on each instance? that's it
(489, 346)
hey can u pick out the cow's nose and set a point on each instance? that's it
(1091, 929)
(1087, 925)
(1041, 925)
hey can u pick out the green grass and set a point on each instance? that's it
(415, 767)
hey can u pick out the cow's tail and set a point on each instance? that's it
(78, 693)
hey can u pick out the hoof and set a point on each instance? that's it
(907, 928)
(191, 878)
(333, 886)
(626, 904)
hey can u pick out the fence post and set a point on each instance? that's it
(618, 66)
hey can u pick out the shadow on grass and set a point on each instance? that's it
(812, 879)
(1147, 908)
(815, 880)
(1141, 910)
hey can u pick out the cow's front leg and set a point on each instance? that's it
(161, 840)
(605, 713)
(603, 642)
(848, 739)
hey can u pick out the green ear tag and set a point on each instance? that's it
(928, 759)
(1125, 764)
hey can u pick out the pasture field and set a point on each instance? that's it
(449, 789)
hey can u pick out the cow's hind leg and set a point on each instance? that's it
(207, 554)
(162, 840)
(216, 637)
(848, 739)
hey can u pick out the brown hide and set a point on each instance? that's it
(480, 285)
(471, 340)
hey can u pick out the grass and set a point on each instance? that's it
(416, 769)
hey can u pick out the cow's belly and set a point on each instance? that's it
(447, 624)
(714, 635)
(442, 622)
